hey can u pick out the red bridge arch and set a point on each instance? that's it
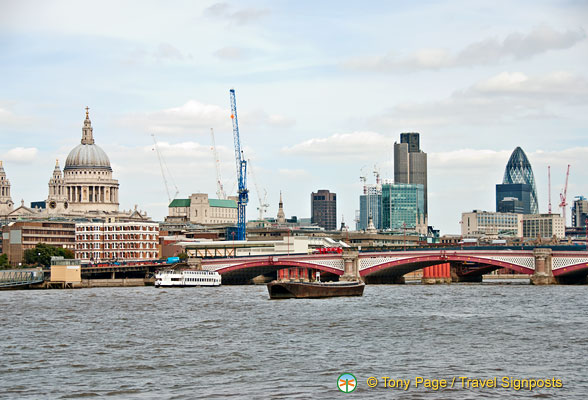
(417, 262)
(247, 270)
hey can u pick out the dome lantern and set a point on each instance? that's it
(87, 154)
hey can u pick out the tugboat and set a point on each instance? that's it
(286, 289)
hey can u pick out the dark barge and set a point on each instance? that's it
(313, 290)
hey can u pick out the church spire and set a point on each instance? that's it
(281, 214)
(87, 132)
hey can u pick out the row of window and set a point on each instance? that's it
(91, 228)
(498, 221)
(116, 245)
(85, 173)
(199, 280)
(116, 237)
(119, 255)
(46, 232)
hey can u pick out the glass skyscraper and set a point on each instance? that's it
(519, 183)
(370, 205)
(403, 206)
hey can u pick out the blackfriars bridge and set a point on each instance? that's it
(543, 265)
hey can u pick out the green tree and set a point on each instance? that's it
(42, 253)
(183, 256)
(4, 261)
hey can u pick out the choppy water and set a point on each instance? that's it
(232, 342)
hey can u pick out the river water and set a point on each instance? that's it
(233, 342)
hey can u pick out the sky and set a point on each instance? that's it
(323, 91)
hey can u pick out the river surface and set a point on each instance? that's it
(233, 342)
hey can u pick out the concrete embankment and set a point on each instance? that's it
(89, 283)
(124, 282)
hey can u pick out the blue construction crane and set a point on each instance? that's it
(241, 171)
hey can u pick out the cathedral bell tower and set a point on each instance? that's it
(57, 200)
(5, 199)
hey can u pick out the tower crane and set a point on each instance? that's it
(377, 174)
(363, 178)
(241, 164)
(563, 196)
(220, 191)
(164, 167)
(263, 206)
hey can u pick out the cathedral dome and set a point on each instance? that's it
(87, 154)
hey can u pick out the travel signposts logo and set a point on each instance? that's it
(347, 383)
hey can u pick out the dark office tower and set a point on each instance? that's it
(410, 163)
(512, 204)
(518, 183)
(579, 212)
(323, 206)
(413, 141)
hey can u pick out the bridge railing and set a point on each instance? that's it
(15, 277)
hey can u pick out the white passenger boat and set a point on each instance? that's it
(186, 277)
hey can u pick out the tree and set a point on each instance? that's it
(4, 261)
(183, 256)
(42, 253)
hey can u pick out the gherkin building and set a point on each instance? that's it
(518, 171)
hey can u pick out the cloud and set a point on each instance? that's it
(5, 115)
(294, 173)
(21, 155)
(562, 84)
(163, 52)
(500, 98)
(192, 115)
(195, 116)
(342, 146)
(261, 117)
(464, 159)
(231, 53)
(8, 117)
(240, 17)
(487, 51)
(166, 51)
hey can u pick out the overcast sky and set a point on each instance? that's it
(323, 90)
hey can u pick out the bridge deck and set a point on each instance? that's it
(15, 278)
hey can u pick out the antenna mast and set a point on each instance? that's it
(549, 188)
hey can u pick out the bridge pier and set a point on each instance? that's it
(194, 263)
(543, 268)
(440, 273)
(350, 266)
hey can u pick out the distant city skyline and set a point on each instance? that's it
(322, 91)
